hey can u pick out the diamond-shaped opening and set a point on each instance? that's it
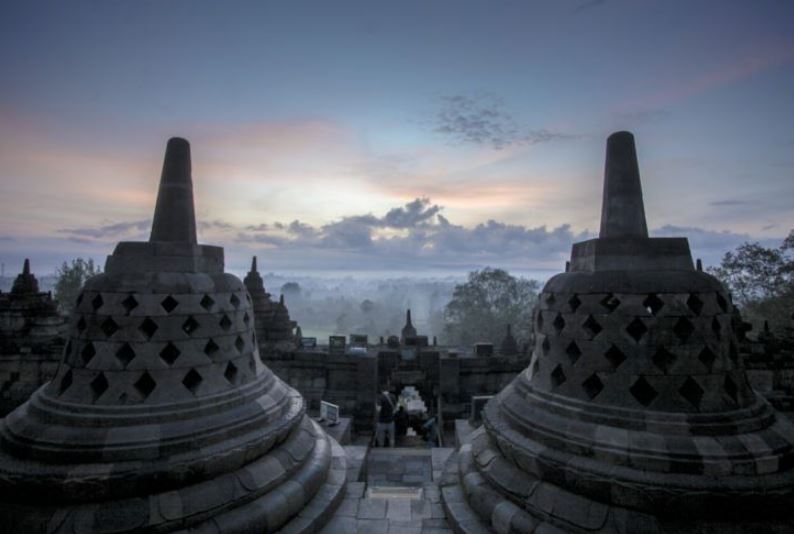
(592, 386)
(551, 299)
(239, 344)
(145, 384)
(722, 303)
(109, 326)
(98, 386)
(692, 392)
(79, 299)
(559, 323)
(615, 356)
(170, 353)
(192, 381)
(169, 304)
(81, 324)
(731, 389)
(653, 303)
(664, 360)
(716, 327)
(148, 327)
(592, 326)
(190, 325)
(129, 303)
(558, 376)
(234, 300)
(97, 302)
(540, 320)
(707, 358)
(225, 323)
(545, 346)
(573, 351)
(66, 381)
(683, 328)
(574, 302)
(643, 392)
(88, 352)
(246, 319)
(610, 302)
(231, 373)
(206, 302)
(694, 303)
(125, 354)
(636, 329)
(211, 348)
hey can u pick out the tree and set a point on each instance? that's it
(70, 281)
(291, 289)
(489, 300)
(761, 280)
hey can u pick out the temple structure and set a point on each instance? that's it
(273, 323)
(31, 338)
(409, 330)
(509, 345)
(635, 413)
(162, 416)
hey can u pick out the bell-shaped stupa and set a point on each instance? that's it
(161, 416)
(635, 414)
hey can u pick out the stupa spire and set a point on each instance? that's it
(253, 265)
(174, 215)
(408, 318)
(26, 267)
(623, 211)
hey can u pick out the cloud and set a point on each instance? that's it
(416, 235)
(482, 119)
(109, 230)
(641, 116)
(591, 4)
(730, 203)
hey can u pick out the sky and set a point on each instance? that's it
(413, 137)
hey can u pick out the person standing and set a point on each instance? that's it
(386, 409)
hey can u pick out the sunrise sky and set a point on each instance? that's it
(417, 137)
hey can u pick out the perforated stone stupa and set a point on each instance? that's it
(635, 414)
(162, 417)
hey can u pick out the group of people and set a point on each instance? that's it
(394, 421)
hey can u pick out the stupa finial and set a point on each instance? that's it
(253, 265)
(26, 267)
(622, 212)
(174, 215)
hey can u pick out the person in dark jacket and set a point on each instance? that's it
(400, 423)
(386, 409)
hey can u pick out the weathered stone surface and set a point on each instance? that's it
(162, 415)
(635, 411)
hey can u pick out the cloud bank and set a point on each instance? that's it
(415, 237)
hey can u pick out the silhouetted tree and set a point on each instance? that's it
(71, 278)
(482, 306)
(761, 280)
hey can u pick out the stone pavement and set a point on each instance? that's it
(400, 495)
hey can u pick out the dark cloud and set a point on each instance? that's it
(483, 120)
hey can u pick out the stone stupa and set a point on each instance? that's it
(635, 414)
(162, 417)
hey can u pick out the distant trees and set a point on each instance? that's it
(489, 300)
(761, 280)
(291, 289)
(71, 278)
